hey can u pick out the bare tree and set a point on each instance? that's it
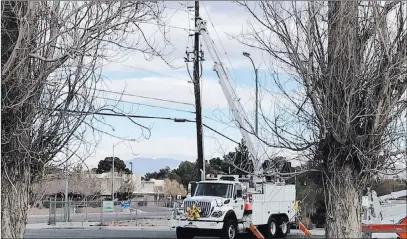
(38, 191)
(127, 187)
(347, 62)
(84, 183)
(52, 54)
(173, 188)
(80, 182)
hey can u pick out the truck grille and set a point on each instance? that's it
(204, 206)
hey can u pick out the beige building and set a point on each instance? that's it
(105, 180)
(151, 190)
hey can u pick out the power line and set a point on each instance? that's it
(180, 120)
(220, 133)
(143, 97)
(154, 106)
(155, 72)
(163, 25)
(148, 105)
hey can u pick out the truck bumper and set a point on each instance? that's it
(198, 224)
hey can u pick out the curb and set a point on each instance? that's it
(137, 228)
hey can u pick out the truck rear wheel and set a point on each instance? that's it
(271, 228)
(183, 233)
(283, 228)
(229, 230)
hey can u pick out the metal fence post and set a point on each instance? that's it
(86, 209)
(136, 213)
(131, 214)
(69, 210)
(101, 212)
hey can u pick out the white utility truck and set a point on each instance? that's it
(385, 209)
(230, 204)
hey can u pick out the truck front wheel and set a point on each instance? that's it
(229, 230)
(184, 233)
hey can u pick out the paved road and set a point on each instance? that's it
(96, 217)
(109, 233)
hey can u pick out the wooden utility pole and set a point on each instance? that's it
(197, 90)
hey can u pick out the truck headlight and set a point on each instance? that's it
(217, 214)
(219, 203)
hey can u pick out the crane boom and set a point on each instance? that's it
(257, 152)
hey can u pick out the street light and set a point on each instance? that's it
(246, 54)
(131, 168)
(114, 145)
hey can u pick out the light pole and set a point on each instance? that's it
(131, 169)
(114, 145)
(246, 54)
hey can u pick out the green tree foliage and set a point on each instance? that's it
(217, 166)
(163, 174)
(187, 173)
(311, 196)
(237, 162)
(387, 186)
(105, 165)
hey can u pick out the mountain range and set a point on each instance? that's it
(142, 166)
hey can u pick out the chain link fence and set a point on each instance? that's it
(99, 212)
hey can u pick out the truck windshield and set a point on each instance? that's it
(214, 189)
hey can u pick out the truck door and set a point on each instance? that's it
(238, 205)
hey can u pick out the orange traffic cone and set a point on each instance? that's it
(247, 206)
(403, 222)
(304, 229)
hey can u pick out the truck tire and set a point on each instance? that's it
(229, 230)
(271, 228)
(183, 233)
(282, 227)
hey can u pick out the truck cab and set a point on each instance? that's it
(218, 202)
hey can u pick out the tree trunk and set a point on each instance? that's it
(14, 205)
(343, 202)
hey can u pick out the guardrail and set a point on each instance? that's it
(400, 229)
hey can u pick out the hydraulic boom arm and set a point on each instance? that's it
(255, 147)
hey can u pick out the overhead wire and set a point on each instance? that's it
(154, 106)
(153, 72)
(162, 25)
(145, 97)
(143, 104)
(181, 120)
